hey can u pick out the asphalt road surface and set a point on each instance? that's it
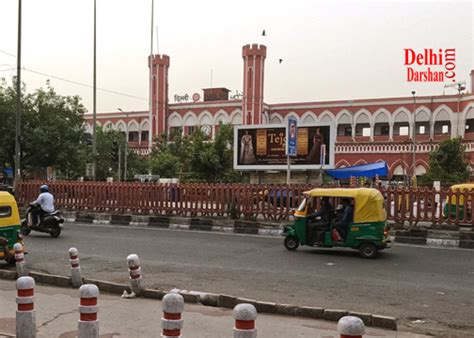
(430, 290)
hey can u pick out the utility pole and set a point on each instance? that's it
(94, 105)
(414, 137)
(126, 146)
(119, 174)
(150, 89)
(17, 177)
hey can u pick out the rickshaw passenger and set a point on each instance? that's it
(326, 213)
(347, 218)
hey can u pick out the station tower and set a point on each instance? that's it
(254, 67)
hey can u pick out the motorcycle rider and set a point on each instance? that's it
(44, 204)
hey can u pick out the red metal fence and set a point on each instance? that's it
(250, 201)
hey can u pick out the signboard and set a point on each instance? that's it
(264, 147)
(291, 137)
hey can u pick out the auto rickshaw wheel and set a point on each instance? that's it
(291, 243)
(368, 250)
(10, 259)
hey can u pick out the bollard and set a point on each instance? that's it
(245, 315)
(135, 277)
(20, 260)
(171, 322)
(88, 326)
(75, 268)
(25, 314)
(351, 327)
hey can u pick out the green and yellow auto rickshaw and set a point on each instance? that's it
(9, 227)
(453, 203)
(367, 231)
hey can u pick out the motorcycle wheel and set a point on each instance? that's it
(25, 229)
(55, 232)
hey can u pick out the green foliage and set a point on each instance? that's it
(448, 164)
(51, 130)
(195, 158)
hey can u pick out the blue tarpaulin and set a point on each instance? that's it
(364, 170)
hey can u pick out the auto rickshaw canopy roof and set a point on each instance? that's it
(8, 210)
(368, 202)
(463, 187)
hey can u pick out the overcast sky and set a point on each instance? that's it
(330, 49)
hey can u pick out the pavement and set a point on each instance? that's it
(57, 316)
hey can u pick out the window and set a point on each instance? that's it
(133, 136)
(191, 130)
(348, 131)
(445, 129)
(421, 130)
(174, 131)
(404, 131)
(5, 211)
(144, 135)
(385, 130)
(366, 131)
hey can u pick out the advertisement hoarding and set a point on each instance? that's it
(264, 147)
(291, 133)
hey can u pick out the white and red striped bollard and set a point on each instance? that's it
(135, 274)
(245, 316)
(20, 260)
(88, 326)
(75, 268)
(172, 322)
(351, 327)
(25, 314)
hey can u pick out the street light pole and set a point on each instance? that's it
(414, 135)
(94, 105)
(126, 146)
(17, 177)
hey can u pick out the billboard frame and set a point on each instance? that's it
(284, 167)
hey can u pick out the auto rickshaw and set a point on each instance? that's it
(452, 202)
(367, 233)
(9, 227)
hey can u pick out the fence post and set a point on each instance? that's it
(20, 260)
(351, 327)
(172, 322)
(25, 314)
(135, 277)
(244, 316)
(88, 325)
(75, 268)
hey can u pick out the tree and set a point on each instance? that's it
(448, 163)
(52, 130)
(195, 158)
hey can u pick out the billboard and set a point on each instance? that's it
(264, 147)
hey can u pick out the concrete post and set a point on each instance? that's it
(88, 326)
(351, 327)
(244, 316)
(25, 314)
(171, 322)
(20, 260)
(135, 277)
(75, 268)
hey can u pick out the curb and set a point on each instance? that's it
(433, 238)
(215, 300)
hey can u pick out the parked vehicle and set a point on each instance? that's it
(51, 223)
(454, 205)
(367, 232)
(9, 227)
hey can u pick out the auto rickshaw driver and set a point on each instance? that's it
(319, 221)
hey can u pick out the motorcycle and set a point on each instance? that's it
(51, 223)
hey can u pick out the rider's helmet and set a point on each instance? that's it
(44, 188)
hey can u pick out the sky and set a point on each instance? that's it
(331, 50)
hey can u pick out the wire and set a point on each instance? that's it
(74, 82)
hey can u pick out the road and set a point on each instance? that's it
(434, 286)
